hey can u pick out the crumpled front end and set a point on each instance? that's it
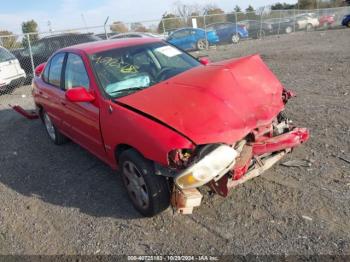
(224, 167)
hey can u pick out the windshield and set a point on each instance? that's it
(122, 71)
(6, 56)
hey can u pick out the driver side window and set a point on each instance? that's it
(75, 74)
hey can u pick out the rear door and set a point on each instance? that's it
(51, 92)
(8, 69)
(81, 118)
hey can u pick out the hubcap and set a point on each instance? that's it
(235, 39)
(288, 30)
(202, 44)
(135, 185)
(49, 127)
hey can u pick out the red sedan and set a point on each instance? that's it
(171, 123)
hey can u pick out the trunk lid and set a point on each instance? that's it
(220, 102)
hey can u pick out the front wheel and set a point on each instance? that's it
(348, 25)
(235, 38)
(202, 44)
(148, 192)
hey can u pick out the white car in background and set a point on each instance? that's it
(138, 35)
(307, 21)
(11, 72)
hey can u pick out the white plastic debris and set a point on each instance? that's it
(307, 218)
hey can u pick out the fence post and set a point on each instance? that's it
(295, 20)
(205, 30)
(164, 32)
(279, 23)
(30, 53)
(261, 19)
(236, 22)
(104, 27)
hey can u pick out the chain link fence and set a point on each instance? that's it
(20, 54)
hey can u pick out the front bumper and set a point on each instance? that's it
(253, 160)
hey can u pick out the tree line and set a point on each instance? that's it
(181, 16)
(10, 41)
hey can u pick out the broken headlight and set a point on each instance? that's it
(213, 165)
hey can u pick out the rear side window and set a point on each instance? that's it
(182, 33)
(56, 69)
(6, 55)
(45, 75)
(75, 75)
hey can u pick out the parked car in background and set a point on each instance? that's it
(346, 20)
(103, 35)
(46, 46)
(11, 73)
(169, 123)
(282, 26)
(257, 29)
(229, 32)
(193, 38)
(308, 21)
(137, 35)
(326, 21)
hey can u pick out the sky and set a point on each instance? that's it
(68, 14)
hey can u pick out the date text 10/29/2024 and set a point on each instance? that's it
(173, 258)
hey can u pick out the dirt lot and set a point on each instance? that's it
(62, 200)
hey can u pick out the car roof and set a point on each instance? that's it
(100, 46)
(67, 35)
(187, 28)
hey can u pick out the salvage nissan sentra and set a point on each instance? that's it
(169, 122)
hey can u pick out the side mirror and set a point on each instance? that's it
(39, 69)
(204, 60)
(79, 94)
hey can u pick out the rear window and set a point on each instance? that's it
(56, 69)
(6, 55)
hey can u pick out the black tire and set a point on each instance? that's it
(54, 134)
(202, 44)
(156, 187)
(348, 25)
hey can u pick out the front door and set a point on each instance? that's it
(82, 118)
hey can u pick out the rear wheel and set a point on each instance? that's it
(148, 192)
(55, 136)
(348, 25)
(235, 38)
(309, 27)
(202, 44)
(289, 29)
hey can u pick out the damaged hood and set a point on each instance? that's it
(220, 102)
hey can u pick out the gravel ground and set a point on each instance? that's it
(62, 200)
